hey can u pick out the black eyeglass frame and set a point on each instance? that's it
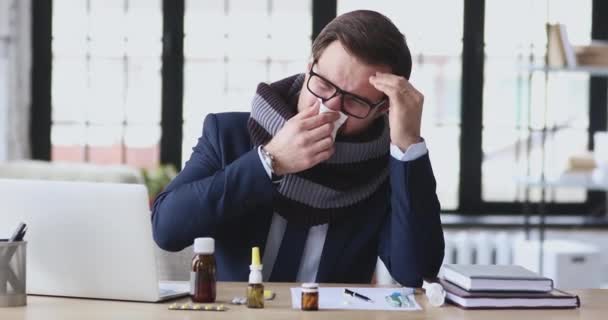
(343, 93)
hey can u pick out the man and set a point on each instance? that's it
(321, 209)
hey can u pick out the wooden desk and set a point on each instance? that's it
(594, 306)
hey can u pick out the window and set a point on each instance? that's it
(5, 39)
(232, 46)
(105, 84)
(514, 99)
(436, 72)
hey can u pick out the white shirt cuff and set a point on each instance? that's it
(266, 167)
(413, 152)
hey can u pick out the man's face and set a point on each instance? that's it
(351, 75)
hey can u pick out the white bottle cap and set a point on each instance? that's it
(310, 287)
(435, 293)
(204, 245)
(255, 275)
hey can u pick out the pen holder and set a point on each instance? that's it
(12, 273)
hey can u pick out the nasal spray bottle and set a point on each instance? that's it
(255, 289)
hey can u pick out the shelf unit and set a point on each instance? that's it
(583, 181)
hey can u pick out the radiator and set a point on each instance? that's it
(468, 247)
(481, 247)
(489, 246)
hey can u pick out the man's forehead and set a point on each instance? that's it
(349, 73)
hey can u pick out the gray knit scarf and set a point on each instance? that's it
(330, 190)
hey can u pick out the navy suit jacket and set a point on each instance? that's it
(224, 192)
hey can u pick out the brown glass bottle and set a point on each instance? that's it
(310, 297)
(255, 295)
(202, 277)
(255, 289)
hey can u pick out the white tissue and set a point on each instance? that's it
(435, 293)
(338, 123)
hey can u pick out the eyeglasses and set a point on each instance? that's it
(350, 104)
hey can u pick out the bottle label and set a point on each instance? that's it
(192, 282)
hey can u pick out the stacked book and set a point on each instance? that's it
(502, 286)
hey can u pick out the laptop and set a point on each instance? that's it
(86, 239)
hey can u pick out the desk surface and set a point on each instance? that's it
(594, 305)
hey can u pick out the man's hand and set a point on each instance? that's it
(405, 113)
(303, 142)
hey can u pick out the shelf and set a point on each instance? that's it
(567, 180)
(590, 70)
(457, 221)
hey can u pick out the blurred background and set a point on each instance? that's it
(116, 90)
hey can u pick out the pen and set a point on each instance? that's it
(357, 295)
(11, 277)
(21, 235)
(19, 232)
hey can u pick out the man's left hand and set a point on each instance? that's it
(405, 110)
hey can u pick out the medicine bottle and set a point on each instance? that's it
(255, 288)
(202, 277)
(310, 297)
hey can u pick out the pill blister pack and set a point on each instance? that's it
(197, 307)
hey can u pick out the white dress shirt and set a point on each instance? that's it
(315, 240)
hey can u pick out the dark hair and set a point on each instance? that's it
(369, 36)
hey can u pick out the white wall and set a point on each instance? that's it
(15, 70)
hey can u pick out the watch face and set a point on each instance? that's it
(266, 157)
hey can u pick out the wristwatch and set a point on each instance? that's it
(269, 159)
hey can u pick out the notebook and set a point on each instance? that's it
(504, 300)
(495, 278)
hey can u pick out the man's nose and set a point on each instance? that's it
(334, 103)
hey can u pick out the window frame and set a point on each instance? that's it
(471, 156)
